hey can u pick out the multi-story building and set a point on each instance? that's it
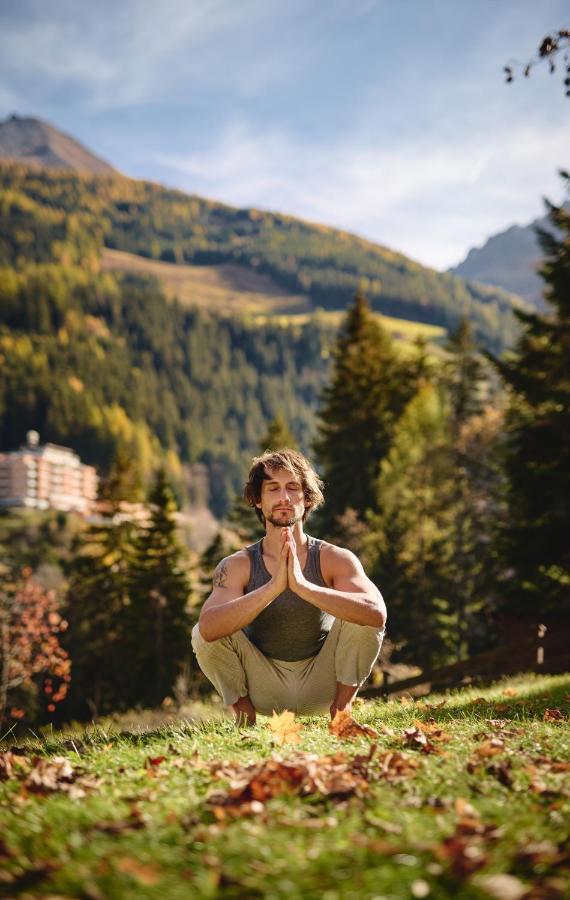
(46, 477)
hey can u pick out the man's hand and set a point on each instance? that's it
(297, 580)
(280, 578)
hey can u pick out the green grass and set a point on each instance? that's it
(147, 830)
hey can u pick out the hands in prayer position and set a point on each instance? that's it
(289, 573)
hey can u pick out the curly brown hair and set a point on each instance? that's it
(291, 461)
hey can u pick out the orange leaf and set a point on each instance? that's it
(433, 730)
(344, 727)
(284, 727)
(144, 873)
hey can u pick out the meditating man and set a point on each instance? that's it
(292, 622)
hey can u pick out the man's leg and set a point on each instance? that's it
(246, 680)
(342, 665)
(244, 711)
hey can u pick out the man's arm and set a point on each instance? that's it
(351, 595)
(228, 608)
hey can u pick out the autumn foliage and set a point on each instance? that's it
(31, 657)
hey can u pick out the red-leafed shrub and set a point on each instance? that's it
(32, 661)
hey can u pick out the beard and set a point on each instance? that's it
(284, 518)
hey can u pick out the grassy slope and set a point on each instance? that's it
(231, 289)
(227, 288)
(146, 830)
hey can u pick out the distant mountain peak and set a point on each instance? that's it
(32, 141)
(510, 260)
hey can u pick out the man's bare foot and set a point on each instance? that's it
(344, 698)
(244, 711)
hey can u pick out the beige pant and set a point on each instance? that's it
(237, 668)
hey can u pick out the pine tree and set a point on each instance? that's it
(124, 479)
(472, 494)
(370, 387)
(96, 609)
(277, 436)
(439, 497)
(159, 588)
(534, 544)
(463, 375)
(409, 536)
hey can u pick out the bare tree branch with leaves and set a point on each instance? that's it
(548, 51)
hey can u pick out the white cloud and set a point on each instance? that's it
(430, 201)
(142, 51)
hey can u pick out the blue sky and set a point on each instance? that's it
(389, 118)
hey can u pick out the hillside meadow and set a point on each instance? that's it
(229, 289)
(462, 795)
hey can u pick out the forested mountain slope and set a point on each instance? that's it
(69, 217)
(102, 361)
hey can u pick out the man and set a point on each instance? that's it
(292, 622)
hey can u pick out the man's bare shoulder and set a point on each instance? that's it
(335, 559)
(232, 568)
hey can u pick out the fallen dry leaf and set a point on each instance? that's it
(433, 730)
(439, 705)
(415, 737)
(464, 849)
(376, 845)
(57, 774)
(550, 765)
(502, 707)
(491, 747)
(154, 761)
(464, 855)
(12, 765)
(543, 853)
(510, 692)
(553, 715)
(144, 873)
(284, 727)
(501, 771)
(395, 765)
(344, 727)
(464, 808)
(540, 788)
(336, 776)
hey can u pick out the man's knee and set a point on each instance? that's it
(201, 645)
(365, 633)
(196, 637)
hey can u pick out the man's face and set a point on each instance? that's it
(282, 499)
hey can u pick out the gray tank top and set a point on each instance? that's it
(289, 628)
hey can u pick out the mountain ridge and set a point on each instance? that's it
(509, 259)
(309, 260)
(34, 141)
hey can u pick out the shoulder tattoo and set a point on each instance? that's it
(221, 574)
